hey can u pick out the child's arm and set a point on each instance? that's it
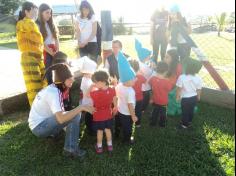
(91, 88)
(178, 92)
(115, 109)
(132, 112)
(199, 94)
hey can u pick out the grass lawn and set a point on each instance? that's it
(206, 149)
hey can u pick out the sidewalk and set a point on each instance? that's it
(11, 78)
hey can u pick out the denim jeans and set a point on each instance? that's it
(50, 127)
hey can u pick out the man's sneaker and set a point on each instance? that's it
(181, 126)
(99, 150)
(138, 126)
(79, 154)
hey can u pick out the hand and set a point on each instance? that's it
(151, 101)
(87, 108)
(51, 52)
(81, 45)
(198, 98)
(134, 118)
(114, 111)
(178, 98)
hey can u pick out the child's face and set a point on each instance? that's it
(147, 59)
(100, 84)
(69, 82)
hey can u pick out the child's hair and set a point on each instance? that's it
(192, 67)
(134, 64)
(87, 5)
(174, 62)
(41, 22)
(117, 42)
(162, 67)
(101, 76)
(59, 57)
(26, 6)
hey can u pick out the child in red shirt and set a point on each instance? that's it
(161, 87)
(103, 98)
(139, 81)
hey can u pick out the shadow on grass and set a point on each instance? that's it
(170, 151)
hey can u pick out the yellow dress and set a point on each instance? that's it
(30, 43)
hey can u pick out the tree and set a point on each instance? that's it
(8, 7)
(221, 20)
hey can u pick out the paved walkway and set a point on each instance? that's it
(11, 78)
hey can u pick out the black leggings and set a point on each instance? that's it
(90, 50)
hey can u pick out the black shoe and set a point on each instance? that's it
(182, 127)
(79, 154)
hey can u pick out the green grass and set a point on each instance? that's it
(206, 149)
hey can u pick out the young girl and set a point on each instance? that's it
(189, 87)
(87, 69)
(103, 98)
(49, 33)
(140, 80)
(126, 100)
(86, 29)
(30, 43)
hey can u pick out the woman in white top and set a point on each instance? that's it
(47, 116)
(86, 30)
(50, 37)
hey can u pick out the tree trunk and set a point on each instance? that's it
(218, 32)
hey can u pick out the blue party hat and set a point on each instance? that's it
(126, 73)
(142, 53)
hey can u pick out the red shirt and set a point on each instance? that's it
(160, 89)
(140, 80)
(173, 79)
(102, 102)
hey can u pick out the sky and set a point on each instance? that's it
(140, 11)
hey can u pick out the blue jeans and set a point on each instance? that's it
(51, 127)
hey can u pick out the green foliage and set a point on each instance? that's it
(9, 7)
(221, 20)
(206, 149)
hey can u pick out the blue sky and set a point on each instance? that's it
(139, 11)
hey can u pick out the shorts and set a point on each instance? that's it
(102, 125)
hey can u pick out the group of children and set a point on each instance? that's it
(124, 101)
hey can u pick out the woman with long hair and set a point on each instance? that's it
(48, 117)
(30, 43)
(50, 36)
(86, 31)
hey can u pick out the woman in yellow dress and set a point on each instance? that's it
(30, 43)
